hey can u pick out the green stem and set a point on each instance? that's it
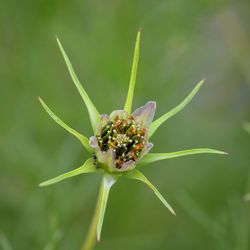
(91, 236)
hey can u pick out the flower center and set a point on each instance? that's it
(125, 137)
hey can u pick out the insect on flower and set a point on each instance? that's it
(120, 143)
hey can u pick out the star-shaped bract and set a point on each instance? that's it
(120, 142)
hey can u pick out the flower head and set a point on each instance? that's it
(122, 139)
(120, 143)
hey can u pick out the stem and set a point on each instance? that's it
(91, 236)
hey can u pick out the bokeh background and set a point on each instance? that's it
(182, 42)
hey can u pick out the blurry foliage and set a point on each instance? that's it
(182, 42)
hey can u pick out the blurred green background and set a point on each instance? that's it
(182, 42)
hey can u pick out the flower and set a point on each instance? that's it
(120, 142)
(121, 138)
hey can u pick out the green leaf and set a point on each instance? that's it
(157, 123)
(93, 113)
(83, 139)
(87, 167)
(129, 100)
(107, 182)
(137, 175)
(153, 157)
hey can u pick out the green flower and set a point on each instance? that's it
(120, 143)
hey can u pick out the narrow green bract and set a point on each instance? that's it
(137, 175)
(87, 167)
(157, 123)
(93, 113)
(129, 100)
(83, 139)
(107, 182)
(153, 157)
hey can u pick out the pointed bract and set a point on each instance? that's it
(157, 123)
(137, 175)
(153, 157)
(87, 167)
(130, 95)
(93, 113)
(107, 182)
(83, 139)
